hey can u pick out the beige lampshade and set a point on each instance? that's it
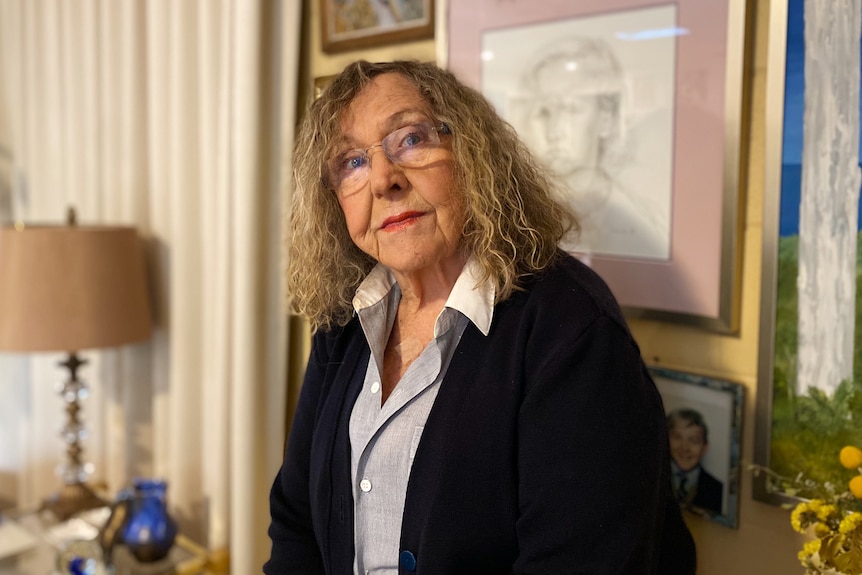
(69, 288)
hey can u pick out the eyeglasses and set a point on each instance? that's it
(407, 147)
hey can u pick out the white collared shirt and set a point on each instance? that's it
(384, 439)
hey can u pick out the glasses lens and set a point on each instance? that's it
(410, 145)
(407, 147)
(348, 171)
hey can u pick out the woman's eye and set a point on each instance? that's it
(353, 162)
(412, 139)
(414, 136)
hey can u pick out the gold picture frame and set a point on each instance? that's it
(800, 427)
(356, 24)
(695, 173)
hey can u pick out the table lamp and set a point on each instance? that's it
(70, 288)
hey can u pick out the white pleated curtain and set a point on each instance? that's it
(176, 117)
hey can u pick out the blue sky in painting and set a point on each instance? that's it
(794, 83)
(794, 90)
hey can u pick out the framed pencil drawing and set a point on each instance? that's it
(807, 408)
(356, 24)
(705, 426)
(637, 108)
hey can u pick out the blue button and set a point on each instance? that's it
(407, 561)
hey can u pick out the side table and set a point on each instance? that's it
(185, 557)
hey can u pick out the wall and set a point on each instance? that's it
(764, 543)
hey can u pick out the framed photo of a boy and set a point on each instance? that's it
(355, 24)
(704, 417)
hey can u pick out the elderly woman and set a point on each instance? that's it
(474, 402)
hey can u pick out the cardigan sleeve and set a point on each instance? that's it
(592, 457)
(294, 547)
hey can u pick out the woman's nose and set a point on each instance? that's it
(385, 176)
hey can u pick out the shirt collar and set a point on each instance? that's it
(469, 295)
(691, 475)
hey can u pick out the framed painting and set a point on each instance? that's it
(704, 426)
(320, 84)
(805, 410)
(356, 24)
(637, 108)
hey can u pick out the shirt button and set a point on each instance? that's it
(407, 561)
(375, 387)
(365, 485)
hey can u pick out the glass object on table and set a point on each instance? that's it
(81, 557)
(149, 531)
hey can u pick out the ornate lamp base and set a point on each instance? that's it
(75, 495)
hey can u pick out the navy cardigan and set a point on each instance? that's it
(545, 452)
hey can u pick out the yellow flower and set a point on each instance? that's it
(808, 549)
(850, 523)
(822, 530)
(833, 522)
(826, 511)
(851, 457)
(796, 517)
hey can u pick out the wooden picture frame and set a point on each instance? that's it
(6, 186)
(357, 24)
(683, 124)
(692, 403)
(800, 428)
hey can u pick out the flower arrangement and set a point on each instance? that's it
(833, 515)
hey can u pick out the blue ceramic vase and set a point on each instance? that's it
(149, 531)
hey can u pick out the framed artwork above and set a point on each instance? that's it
(356, 24)
(638, 108)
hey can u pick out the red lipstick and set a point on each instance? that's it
(399, 219)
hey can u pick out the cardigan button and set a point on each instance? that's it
(407, 561)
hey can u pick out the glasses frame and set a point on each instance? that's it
(437, 128)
